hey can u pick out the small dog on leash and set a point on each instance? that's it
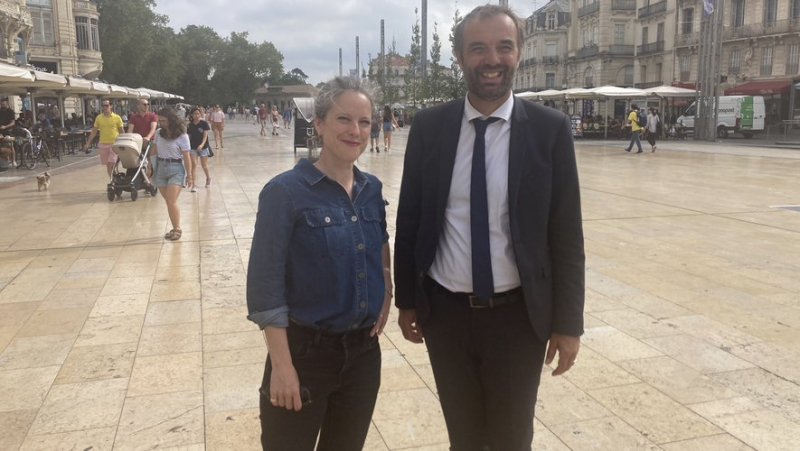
(44, 181)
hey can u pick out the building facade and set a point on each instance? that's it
(65, 38)
(15, 30)
(543, 54)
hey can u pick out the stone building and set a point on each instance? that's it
(760, 49)
(654, 32)
(281, 96)
(542, 60)
(15, 29)
(65, 37)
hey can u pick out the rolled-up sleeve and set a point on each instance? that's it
(266, 271)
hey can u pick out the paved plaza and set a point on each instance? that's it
(113, 339)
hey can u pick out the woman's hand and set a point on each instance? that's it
(284, 388)
(383, 317)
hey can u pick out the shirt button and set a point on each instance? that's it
(354, 218)
(361, 275)
(327, 219)
(360, 246)
(363, 304)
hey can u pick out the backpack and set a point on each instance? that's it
(641, 119)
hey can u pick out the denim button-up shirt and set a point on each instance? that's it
(316, 256)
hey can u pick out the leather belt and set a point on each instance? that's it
(498, 299)
(171, 160)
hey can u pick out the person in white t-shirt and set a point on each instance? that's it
(218, 126)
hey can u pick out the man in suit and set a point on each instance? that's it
(489, 260)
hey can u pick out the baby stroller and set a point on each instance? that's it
(128, 147)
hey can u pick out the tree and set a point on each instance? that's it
(139, 49)
(415, 56)
(437, 84)
(242, 67)
(199, 47)
(456, 87)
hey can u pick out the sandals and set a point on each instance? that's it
(173, 235)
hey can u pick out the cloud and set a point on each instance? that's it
(309, 33)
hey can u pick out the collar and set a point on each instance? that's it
(312, 175)
(503, 112)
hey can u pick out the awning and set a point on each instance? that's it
(760, 88)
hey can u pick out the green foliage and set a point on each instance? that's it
(141, 50)
(413, 75)
(456, 87)
(436, 83)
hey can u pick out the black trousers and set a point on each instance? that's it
(651, 138)
(340, 375)
(487, 364)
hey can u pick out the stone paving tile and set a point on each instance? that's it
(691, 343)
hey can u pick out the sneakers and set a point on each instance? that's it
(208, 183)
(194, 188)
(654, 149)
(628, 150)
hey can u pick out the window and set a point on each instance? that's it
(659, 68)
(644, 35)
(687, 25)
(628, 75)
(82, 33)
(551, 49)
(770, 12)
(766, 60)
(42, 17)
(795, 9)
(734, 62)
(660, 32)
(588, 77)
(551, 21)
(686, 67)
(95, 35)
(619, 33)
(643, 73)
(793, 60)
(550, 80)
(585, 36)
(738, 13)
(595, 36)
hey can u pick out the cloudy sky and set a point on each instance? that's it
(309, 33)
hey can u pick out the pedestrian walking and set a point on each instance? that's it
(274, 117)
(109, 125)
(489, 258)
(652, 128)
(287, 116)
(200, 148)
(144, 122)
(637, 121)
(173, 167)
(375, 132)
(389, 125)
(218, 127)
(320, 287)
(262, 119)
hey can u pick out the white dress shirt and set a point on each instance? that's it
(452, 267)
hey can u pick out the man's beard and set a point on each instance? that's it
(489, 93)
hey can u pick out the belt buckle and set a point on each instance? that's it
(473, 299)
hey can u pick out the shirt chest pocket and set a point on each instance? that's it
(373, 231)
(328, 232)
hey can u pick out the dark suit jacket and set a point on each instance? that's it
(544, 211)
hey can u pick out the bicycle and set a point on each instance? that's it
(33, 149)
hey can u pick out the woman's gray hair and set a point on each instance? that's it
(331, 89)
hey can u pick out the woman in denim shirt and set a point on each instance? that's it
(319, 285)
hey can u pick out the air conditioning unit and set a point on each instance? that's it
(21, 57)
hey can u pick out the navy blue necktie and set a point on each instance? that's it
(482, 278)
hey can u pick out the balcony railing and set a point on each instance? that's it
(618, 49)
(623, 5)
(550, 59)
(85, 5)
(653, 9)
(591, 8)
(649, 49)
(649, 84)
(527, 62)
(586, 52)
(687, 39)
(762, 29)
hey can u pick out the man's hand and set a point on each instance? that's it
(412, 331)
(567, 347)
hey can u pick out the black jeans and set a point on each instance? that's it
(341, 374)
(487, 363)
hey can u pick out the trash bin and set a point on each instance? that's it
(303, 121)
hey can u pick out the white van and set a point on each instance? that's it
(737, 114)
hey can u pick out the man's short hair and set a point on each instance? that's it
(484, 12)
